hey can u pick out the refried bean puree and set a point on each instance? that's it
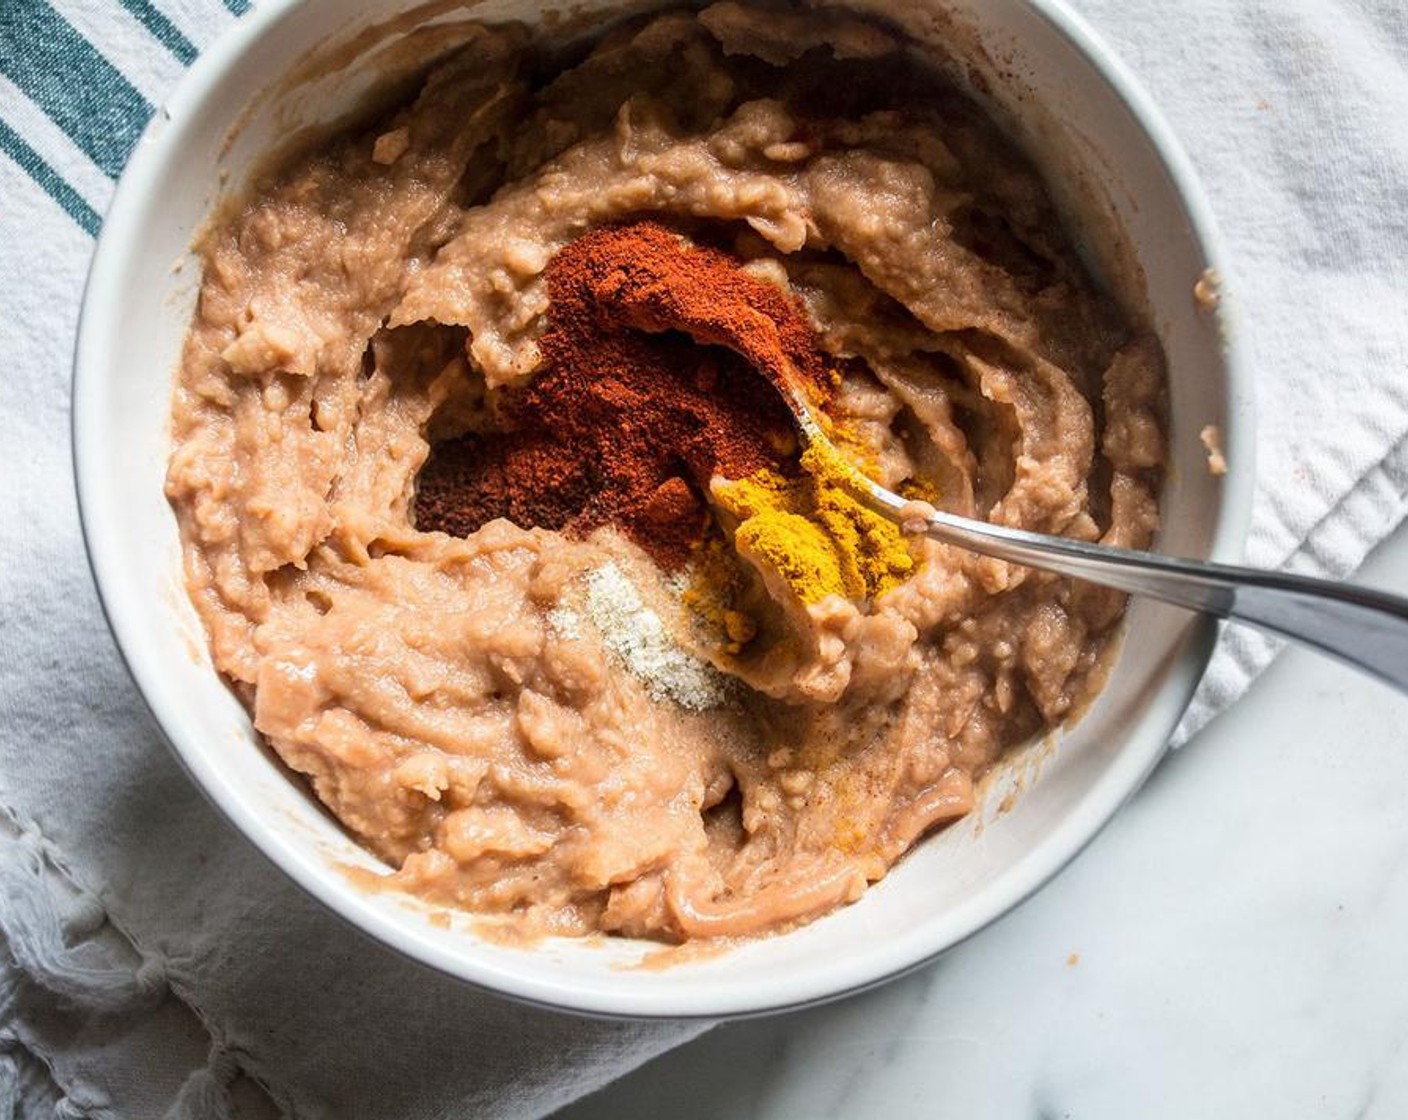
(553, 723)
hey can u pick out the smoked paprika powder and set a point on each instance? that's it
(650, 389)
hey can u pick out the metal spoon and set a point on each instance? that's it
(1363, 628)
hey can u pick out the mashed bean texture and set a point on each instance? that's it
(547, 727)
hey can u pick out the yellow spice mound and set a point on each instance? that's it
(813, 534)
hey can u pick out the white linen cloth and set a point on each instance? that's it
(151, 962)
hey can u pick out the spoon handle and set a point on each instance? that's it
(1365, 628)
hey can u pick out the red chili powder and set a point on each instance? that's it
(649, 390)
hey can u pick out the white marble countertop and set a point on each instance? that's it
(1235, 944)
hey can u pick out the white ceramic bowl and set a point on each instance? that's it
(1111, 161)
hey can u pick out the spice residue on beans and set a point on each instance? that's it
(658, 355)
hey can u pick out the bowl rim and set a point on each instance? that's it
(116, 241)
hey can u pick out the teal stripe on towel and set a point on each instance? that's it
(239, 7)
(163, 30)
(80, 90)
(13, 145)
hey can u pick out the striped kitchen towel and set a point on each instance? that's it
(152, 963)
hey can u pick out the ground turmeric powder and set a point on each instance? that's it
(809, 531)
